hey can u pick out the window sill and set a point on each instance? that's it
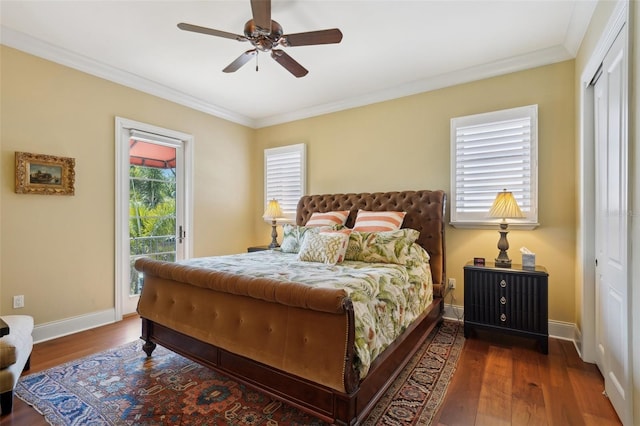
(494, 225)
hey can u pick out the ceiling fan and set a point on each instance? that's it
(265, 35)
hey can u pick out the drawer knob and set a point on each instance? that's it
(503, 317)
(503, 300)
(503, 283)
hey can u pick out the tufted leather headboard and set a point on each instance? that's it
(425, 213)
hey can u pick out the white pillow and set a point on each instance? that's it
(325, 247)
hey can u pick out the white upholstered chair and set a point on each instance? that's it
(15, 354)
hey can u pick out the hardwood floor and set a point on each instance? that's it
(505, 380)
(500, 380)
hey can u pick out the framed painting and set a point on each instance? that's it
(44, 174)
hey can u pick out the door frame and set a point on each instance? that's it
(586, 238)
(586, 272)
(121, 238)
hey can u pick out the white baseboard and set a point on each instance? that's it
(454, 312)
(54, 329)
(562, 330)
(557, 329)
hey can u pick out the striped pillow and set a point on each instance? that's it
(367, 221)
(328, 218)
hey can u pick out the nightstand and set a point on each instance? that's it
(512, 300)
(260, 248)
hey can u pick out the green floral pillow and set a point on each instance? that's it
(381, 247)
(325, 247)
(293, 236)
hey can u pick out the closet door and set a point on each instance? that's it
(612, 231)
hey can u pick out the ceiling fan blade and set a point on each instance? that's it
(261, 10)
(312, 37)
(289, 63)
(240, 61)
(210, 31)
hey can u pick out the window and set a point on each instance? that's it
(285, 176)
(491, 152)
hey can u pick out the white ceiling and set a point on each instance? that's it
(390, 48)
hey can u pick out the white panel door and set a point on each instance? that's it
(612, 232)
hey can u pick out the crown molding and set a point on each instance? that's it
(42, 49)
(36, 47)
(493, 69)
(580, 18)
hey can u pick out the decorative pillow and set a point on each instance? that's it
(367, 221)
(325, 247)
(381, 247)
(328, 218)
(342, 231)
(292, 236)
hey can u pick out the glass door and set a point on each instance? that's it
(152, 199)
(153, 229)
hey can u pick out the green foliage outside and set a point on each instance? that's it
(152, 216)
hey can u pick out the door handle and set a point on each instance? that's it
(181, 234)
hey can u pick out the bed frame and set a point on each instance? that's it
(208, 316)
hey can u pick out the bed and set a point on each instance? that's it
(293, 341)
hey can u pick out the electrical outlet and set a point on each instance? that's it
(18, 301)
(452, 283)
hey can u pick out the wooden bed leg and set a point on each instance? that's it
(148, 346)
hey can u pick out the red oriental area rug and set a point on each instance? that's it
(124, 387)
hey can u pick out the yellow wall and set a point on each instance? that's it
(58, 251)
(404, 144)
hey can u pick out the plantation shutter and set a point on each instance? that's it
(285, 172)
(492, 152)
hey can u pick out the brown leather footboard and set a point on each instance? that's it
(293, 327)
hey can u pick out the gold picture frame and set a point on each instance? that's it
(44, 174)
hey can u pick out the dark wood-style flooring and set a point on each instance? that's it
(498, 380)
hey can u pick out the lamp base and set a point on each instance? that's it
(502, 263)
(274, 236)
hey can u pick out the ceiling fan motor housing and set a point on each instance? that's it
(261, 39)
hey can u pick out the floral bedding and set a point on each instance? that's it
(386, 297)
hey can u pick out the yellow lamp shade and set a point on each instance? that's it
(273, 210)
(505, 206)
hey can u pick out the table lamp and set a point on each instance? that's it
(505, 207)
(272, 213)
